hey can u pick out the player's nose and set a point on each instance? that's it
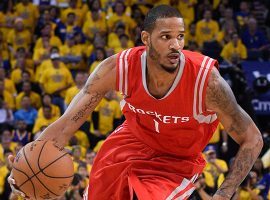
(175, 44)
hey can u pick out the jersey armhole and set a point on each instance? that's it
(213, 64)
(117, 72)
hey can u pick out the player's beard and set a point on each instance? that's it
(154, 55)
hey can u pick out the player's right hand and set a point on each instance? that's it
(11, 180)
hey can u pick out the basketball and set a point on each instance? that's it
(42, 170)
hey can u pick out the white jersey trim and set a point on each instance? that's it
(123, 72)
(177, 78)
(184, 184)
(198, 92)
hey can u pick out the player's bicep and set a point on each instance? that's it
(220, 98)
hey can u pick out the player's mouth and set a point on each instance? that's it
(174, 58)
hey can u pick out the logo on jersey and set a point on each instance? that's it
(166, 119)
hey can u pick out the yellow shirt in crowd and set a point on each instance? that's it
(55, 111)
(29, 14)
(40, 122)
(10, 87)
(8, 99)
(34, 97)
(229, 49)
(19, 39)
(52, 79)
(206, 31)
(216, 136)
(108, 111)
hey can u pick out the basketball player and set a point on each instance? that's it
(173, 101)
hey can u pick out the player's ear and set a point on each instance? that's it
(145, 36)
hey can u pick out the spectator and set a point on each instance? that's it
(264, 184)
(186, 8)
(6, 115)
(228, 18)
(72, 54)
(4, 171)
(95, 21)
(90, 156)
(216, 167)
(28, 12)
(78, 12)
(224, 35)
(124, 43)
(6, 96)
(216, 141)
(46, 32)
(207, 28)
(19, 36)
(27, 91)
(21, 64)
(6, 143)
(243, 15)
(47, 101)
(119, 15)
(55, 80)
(43, 53)
(26, 77)
(106, 115)
(100, 55)
(9, 85)
(4, 53)
(247, 188)
(44, 120)
(20, 134)
(7, 17)
(255, 41)
(80, 80)
(26, 113)
(191, 35)
(234, 48)
(114, 37)
(45, 18)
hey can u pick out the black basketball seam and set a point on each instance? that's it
(29, 179)
(46, 167)
(42, 169)
(34, 173)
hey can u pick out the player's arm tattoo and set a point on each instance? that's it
(95, 97)
(239, 125)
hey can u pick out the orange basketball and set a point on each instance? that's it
(42, 170)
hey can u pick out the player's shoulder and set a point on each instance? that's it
(198, 59)
(131, 52)
(193, 57)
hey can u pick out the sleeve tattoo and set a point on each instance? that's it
(220, 97)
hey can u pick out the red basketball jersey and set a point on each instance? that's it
(178, 123)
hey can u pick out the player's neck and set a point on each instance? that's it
(158, 80)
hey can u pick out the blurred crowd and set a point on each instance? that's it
(48, 48)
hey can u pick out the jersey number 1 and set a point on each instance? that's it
(156, 126)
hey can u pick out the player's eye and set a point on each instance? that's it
(165, 37)
(181, 36)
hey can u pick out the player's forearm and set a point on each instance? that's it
(244, 160)
(77, 112)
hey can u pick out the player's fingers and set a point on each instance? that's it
(11, 159)
(12, 184)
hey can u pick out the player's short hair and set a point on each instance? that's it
(161, 11)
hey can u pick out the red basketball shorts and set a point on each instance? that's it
(125, 165)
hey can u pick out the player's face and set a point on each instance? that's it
(165, 42)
